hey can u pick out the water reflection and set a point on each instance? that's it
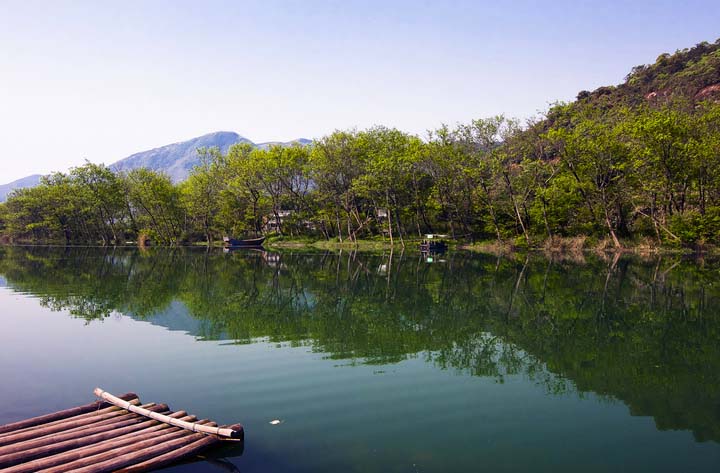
(645, 332)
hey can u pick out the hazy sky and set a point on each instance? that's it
(99, 80)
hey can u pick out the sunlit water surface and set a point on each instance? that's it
(380, 362)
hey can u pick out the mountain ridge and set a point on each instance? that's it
(177, 159)
(174, 159)
(27, 181)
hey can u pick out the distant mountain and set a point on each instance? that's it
(176, 160)
(29, 181)
(268, 144)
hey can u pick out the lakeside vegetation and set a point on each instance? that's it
(636, 164)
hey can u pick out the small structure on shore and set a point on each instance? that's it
(113, 434)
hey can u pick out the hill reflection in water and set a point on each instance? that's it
(644, 332)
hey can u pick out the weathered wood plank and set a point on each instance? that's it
(68, 419)
(126, 454)
(61, 414)
(105, 426)
(64, 426)
(186, 451)
(37, 428)
(64, 452)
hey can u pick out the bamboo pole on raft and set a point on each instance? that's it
(195, 427)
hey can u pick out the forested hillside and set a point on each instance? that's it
(637, 163)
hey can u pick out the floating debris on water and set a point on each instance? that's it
(275, 422)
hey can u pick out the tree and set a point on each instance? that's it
(336, 161)
(597, 157)
(154, 205)
(242, 198)
(102, 201)
(388, 178)
(201, 191)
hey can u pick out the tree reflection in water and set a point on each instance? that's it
(645, 332)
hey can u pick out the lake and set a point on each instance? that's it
(380, 362)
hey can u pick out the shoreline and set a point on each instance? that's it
(559, 246)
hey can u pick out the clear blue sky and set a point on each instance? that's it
(100, 80)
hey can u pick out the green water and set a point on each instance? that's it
(379, 362)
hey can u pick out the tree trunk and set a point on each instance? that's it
(389, 218)
(615, 240)
(339, 229)
(544, 211)
(399, 227)
(515, 205)
(491, 207)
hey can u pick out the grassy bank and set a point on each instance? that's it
(560, 245)
(334, 244)
(555, 245)
(567, 245)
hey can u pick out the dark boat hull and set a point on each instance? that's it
(433, 246)
(252, 243)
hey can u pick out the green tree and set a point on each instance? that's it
(597, 156)
(155, 205)
(201, 191)
(336, 161)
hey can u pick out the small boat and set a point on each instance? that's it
(433, 246)
(251, 243)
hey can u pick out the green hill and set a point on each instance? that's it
(691, 73)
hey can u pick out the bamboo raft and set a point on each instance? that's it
(112, 434)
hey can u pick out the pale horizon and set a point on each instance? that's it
(83, 80)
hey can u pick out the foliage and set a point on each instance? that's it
(640, 161)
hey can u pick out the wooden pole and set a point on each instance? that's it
(72, 423)
(127, 454)
(76, 433)
(76, 449)
(44, 419)
(170, 457)
(69, 419)
(167, 458)
(195, 427)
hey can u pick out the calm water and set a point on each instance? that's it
(380, 362)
